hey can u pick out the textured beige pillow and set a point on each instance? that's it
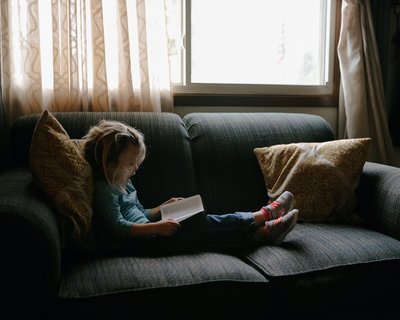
(321, 176)
(62, 172)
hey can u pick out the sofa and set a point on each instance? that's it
(323, 270)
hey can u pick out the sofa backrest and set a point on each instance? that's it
(207, 153)
(227, 172)
(166, 172)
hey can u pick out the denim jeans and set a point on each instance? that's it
(226, 232)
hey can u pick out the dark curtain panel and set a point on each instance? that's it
(386, 15)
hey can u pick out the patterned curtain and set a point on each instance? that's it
(83, 55)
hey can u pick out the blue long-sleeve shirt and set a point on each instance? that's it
(118, 211)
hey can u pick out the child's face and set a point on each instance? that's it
(128, 163)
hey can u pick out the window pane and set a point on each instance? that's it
(258, 42)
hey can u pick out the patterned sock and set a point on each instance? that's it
(279, 207)
(276, 230)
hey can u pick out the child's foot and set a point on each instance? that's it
(276, 230)
(279, 207)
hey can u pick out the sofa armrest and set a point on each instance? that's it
(30, 245)
(379, 198)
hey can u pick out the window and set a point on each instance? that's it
(252, 46)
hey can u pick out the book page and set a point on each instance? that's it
(182, 209)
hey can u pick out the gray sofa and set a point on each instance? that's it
(321, 271)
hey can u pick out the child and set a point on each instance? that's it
(115, 152)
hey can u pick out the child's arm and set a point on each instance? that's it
(156, 226)
(162, 228)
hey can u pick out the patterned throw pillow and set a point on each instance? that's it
(321, 176)
(62, 172)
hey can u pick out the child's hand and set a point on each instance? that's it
(167, 227)
(173, 200)
(155, 212)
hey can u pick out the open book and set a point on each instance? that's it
(182, 209)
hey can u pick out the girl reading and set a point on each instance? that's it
(115, 152)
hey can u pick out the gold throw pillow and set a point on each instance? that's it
(60, 169)
(322, 176)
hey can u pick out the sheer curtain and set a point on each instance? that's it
(84, 55)
(362, 101)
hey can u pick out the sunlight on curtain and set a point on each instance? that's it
(90, 55)
(362, 103)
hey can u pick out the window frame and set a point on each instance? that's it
(260, 95)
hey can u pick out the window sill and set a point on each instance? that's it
(256, 100)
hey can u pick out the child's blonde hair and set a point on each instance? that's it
(105, 142)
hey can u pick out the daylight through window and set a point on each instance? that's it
(256, 45)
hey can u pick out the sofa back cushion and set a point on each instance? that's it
(228, 175)
(167, 170)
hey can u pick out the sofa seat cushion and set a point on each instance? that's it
(112, 275)
(166, 287)
(315, 247)
(332, 267)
